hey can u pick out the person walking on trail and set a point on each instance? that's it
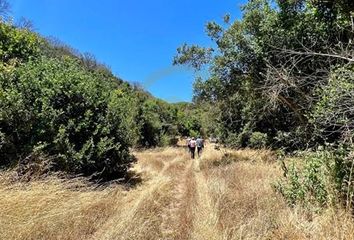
(200, 145)
(192, 145)
(188, 141)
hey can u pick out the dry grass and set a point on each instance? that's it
(246, 206)
(223, 195)
(53, 209)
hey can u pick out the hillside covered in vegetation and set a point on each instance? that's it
(66, 107)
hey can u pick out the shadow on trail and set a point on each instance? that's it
(130, 181)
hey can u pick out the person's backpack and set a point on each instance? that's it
(192, 143)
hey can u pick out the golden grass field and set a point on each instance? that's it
(178, 198)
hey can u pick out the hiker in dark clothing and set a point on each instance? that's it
(200, 145)
(192, 145)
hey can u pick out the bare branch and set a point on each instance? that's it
(5, 8)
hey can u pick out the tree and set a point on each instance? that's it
(266, 68)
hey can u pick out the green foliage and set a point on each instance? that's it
(235, 140)
(72, 114)
(295, 139)
(168, 140)
(266, 69)
(58, 103)
(193, 55)
(150, 126)
(18, 44)
(332, 115)
(189, 120)
(258, 140)
(321, 179)
(311, 184)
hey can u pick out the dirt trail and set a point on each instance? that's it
(205, 211)
(143, 212)
(179, 219)
(173, 204)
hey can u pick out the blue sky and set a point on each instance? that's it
(137, 39)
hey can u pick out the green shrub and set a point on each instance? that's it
(164, 141)
(323, 178)
(74, 115)
(309, 185)
(258, 140)
(149, 124)
(18, 43)
(167, 140)
(298, 138)
(233, 140)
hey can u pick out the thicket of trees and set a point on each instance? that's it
(66, 107)
(282, 77)
(273, 71)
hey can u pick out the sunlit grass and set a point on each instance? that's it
(225, 194)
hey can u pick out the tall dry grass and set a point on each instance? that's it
(53, 209)
(71, 209)
(225, 194)
(247, 207)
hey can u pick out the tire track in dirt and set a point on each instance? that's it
(180, 218)
(174, 204)
(143, 207)
(192, 214)
(205, 213)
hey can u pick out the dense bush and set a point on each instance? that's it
(18, 44)
(299, 138)
(266, 69)
(310, 185)
(67, 107)
(67, 112)
(258, 140)
(333, 114)
(189, 120)
(323, 178)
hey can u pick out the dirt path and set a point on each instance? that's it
(205, 212)
(142, 215)
(173, 204)
(179, 221)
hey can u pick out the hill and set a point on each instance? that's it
(66, 107)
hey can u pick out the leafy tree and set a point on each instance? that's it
(333, 114)
(266, 68)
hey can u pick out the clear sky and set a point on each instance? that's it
(137, 39)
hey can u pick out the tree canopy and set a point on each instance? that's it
(270, 68)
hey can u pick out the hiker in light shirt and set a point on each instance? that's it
(192, 145)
